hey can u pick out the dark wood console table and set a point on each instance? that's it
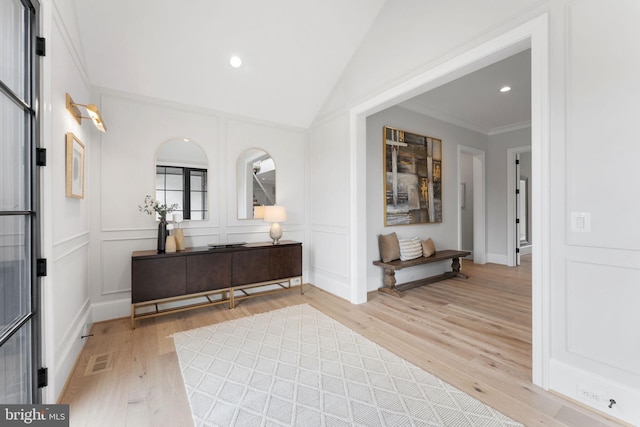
(162, 283)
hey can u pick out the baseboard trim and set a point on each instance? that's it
(331, 285)
(111, 309)
(595, 391)
(66, 355)
(497, 259)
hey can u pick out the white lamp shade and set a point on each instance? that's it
(275, 213)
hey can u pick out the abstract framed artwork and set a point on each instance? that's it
(413, 178)
(74, 167)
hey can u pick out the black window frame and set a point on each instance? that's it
(187, 191)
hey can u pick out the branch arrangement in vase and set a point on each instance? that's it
(152, 207)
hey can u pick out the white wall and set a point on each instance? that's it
(596, 274)
(329, 263)
(444, 234)
(66, 221)
(125, 172)
(587, 280)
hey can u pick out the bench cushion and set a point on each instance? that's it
(389, 247)
(410, 248)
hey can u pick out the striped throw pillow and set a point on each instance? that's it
(410, 248)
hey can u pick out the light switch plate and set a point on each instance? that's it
(580, 222)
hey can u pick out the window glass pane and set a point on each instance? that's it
(196, 182)
(199, 180)
(14, 170)
(198, 205)
(160, 181)
(196, 201)
(160, 197)
(174, 197)
(15, 367)
(174, 182)
(15, 267)
(12, 46)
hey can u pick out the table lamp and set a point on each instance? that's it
(275, 214)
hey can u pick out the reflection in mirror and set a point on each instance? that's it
(181, 177)
(256, 182)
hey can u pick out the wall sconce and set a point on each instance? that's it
(92, 110)
(275, 214)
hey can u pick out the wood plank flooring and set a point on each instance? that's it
(474, 334)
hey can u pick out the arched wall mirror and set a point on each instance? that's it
(256, 183)
(181, 177)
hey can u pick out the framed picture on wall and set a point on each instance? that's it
(74, 167)
(412, 178)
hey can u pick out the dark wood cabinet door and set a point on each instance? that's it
(157, 278)
(265, 264)
(208, 272)
(250, 267)
(285, 261)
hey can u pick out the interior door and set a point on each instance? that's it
(518, 209)
(19, 332)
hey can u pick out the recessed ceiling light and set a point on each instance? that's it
(505, 89)
(235, 61)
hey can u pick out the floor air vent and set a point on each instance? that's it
(99, 363)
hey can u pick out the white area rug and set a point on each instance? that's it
(298, 367)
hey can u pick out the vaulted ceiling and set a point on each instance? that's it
(293, 53)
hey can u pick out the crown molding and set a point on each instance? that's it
(510, 128)
(430, 112)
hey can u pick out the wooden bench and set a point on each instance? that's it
(391, 267)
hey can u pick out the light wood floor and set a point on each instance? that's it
(474, 334)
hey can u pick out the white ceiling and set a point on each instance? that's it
(293, 53)
(475, 102)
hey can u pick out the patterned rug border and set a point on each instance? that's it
(235, 398)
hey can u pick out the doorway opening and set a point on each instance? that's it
(471, 202)
(519, 206)
(533, 35)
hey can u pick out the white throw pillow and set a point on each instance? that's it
(410, 248)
